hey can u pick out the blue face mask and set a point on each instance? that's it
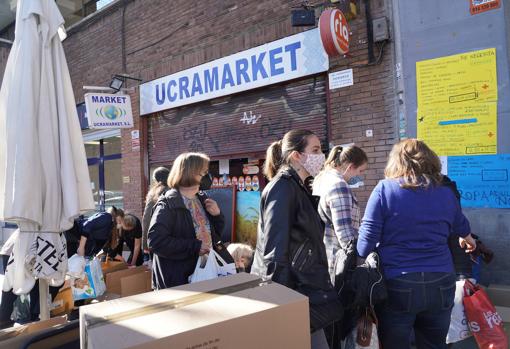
(355, 180)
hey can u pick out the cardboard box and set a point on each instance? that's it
(236, 311)
(31, 328)
(63, 302)
(112, 266)
(137, 285)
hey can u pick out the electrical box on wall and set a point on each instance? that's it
(380, 29)
(302, 18)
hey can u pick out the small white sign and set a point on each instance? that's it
(444, 165)
(135, 134)
(106, 111)
(224, 166)
(341, 78)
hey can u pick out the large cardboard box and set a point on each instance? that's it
(63, 302)
(237, 311)
(129, 282)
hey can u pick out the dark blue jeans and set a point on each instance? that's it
(419, 301)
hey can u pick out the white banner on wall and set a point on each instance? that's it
(281, 60)
(106, 110)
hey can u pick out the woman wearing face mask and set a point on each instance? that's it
(290, 249)
(338, 206)
(183, 226)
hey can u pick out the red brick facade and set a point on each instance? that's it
(162, 37)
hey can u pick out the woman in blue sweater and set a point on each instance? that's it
(408, 220)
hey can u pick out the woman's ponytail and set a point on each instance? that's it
(273, 159)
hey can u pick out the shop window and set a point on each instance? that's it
(112, 145)
(113, 183)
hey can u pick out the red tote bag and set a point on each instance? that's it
(485, 323)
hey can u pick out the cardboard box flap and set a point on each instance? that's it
(167, 316)
(113, 284)
(91, 321)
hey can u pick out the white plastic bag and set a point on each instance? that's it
(224, 268)
(76, 266)
(214, 267)
(459, 329)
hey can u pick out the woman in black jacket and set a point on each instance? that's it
(290, 248)
(183, 226)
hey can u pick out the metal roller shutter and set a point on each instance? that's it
(217, 128)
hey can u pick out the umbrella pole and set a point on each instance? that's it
(44, 309)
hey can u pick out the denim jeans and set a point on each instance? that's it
(420, 301)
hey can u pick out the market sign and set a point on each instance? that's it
(108, 110)
(281, 60)
(334, 32)
(479, 6)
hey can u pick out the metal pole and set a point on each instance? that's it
(44, 309)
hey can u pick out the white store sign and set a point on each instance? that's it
(341, 78)
(281, 60)
(106, 110)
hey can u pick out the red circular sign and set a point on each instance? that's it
(334, 32)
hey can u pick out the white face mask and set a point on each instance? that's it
(313, 163)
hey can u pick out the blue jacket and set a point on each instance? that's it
(409, 228)
(98, 227)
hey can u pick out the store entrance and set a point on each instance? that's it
(104, 161)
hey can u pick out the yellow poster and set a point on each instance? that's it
(457, 103)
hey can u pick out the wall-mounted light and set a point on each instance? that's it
(119, 80)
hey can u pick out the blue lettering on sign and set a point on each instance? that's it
(227, 77)
(159, 99)
(183, 87)
(257, 65)
(171, 97)
(273, 61)
(241, 68)
(235, 73)
(197, 85)
(110, 99)
(211, 80)
(292, 49)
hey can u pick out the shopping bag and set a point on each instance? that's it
(459, 329)
(97, 277)
(91, 285)
(364, 335)
(224, 268)
(485, 323)
(213, 267)
(206, 268)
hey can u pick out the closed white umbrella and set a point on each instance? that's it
(44, 180)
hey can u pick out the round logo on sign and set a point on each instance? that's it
(334, 32)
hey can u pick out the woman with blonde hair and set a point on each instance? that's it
(408, 220)
(183, 226)
(338, 206)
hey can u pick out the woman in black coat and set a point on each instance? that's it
(290, 248)
(184, 225)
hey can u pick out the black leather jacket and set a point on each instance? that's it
(290, 248)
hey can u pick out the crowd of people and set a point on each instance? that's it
(311, 236)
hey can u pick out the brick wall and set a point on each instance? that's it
(161, 39)
(368, 104)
